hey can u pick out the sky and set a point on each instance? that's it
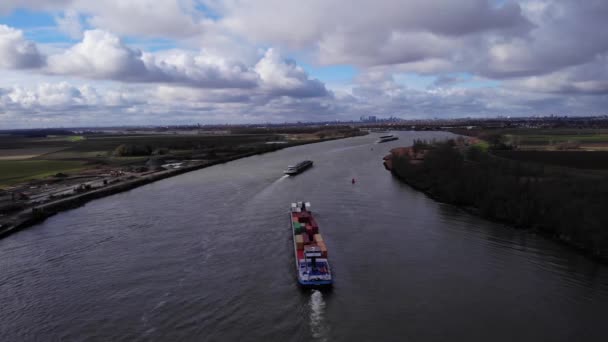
(142, 62)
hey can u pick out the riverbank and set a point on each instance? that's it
(562, 205)
(35, 214)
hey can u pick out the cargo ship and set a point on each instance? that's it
(386, 138)
(299, 167)
(312, 265)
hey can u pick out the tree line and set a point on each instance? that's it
(568, 205)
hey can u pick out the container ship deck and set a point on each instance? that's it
(310, 251)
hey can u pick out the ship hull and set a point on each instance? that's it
(299, 170)
(306, 276)
(387, 140)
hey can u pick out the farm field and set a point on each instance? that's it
(16, 171)
(579, 149)
(582, 139)
(575, 148)
(24, 158)
(26, 153)
(596, 160)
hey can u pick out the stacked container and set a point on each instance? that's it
(297, 228)
(323, 248)
(300, 242)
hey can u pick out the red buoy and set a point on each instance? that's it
(353, 181)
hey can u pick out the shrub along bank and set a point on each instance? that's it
(567, 205)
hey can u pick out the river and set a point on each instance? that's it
(207, 256)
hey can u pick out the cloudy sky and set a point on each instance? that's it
(124, 62)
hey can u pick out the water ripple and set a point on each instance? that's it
(207, 256)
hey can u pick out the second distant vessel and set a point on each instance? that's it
(299, 167)
(386, 138)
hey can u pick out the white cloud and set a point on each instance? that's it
(304, 23)
(568, 33)
(99, 55)
(66, 104)
(371, 33)
(589, 79)
(550, 56)
(167, 18)
(103, 56)
(16, 52)
(44, 97)
(370, 49)
(7, 6)
(284, 77)
(199, 70)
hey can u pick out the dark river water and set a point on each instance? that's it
(207, 256)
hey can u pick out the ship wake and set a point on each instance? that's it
(318, 326)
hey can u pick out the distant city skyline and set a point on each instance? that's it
(69, 63)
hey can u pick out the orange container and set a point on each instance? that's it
(299, 242)
(323, 248)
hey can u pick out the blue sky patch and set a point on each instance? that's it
(332, 73)
(24, 19)
(36, 26)
(150, 45)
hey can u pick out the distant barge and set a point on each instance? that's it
(312, 265)
(386, 138)
(299, 167)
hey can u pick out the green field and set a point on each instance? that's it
(541, 137)
(75, 138)
(576, 148)
(25, 158)
(483, 145)
(70, 138)
(102, 145)
(545, 139)
(596, 160)
(15, 171)
(561, 138)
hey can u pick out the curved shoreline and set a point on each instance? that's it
(37, 214)
(388, 164)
